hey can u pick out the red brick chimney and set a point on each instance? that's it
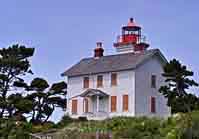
(98, 52)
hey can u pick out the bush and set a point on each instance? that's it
(42, 127)
(174, 127)
(82, 119)
(178, 126)
(139, 128)
(66, 120)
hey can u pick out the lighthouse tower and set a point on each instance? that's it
(131, 39)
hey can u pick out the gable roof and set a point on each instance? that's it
(93, 92)
(111, 63)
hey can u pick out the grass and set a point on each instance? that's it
(178, 126)
(175, 127)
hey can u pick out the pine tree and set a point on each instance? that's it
(45, 99)
(178, 83)
(14, 65)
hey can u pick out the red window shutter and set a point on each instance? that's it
(113, 103)
(113, 79)
(74, 106)
(153, 105)
(125, 102)
(86, 82)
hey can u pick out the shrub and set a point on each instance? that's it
(82, 119)
(178, 126)
(65, 121)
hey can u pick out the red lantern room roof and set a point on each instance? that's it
(131, 23)
(131, 26)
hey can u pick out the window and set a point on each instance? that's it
(86, 82)
(113, 79)
(153, 105)
(113, 103)
(74, 106)
(100, 81)
(153, 81)
(125, 102)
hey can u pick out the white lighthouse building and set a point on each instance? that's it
(123, 84)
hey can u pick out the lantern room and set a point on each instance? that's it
(131, 38)
(131, 33)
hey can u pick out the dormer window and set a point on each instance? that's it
(113, 79)
(99, 81)
(86, 82)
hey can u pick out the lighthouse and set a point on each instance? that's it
(131, 39)
(123, 84)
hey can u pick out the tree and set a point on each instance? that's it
(14, 65)
(18, 99)
(14, 128)
(192, 102)
(45, 99)
(177, 78)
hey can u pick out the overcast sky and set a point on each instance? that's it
(64, 31)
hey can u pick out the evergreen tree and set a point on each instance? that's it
(18, 99)
(178, 82)
(14, 65)
(45, 99)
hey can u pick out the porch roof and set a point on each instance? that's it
(90, 93)
(93, 92)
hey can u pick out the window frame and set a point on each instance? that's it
(100, 82)
(153, 108)
(113, 107)
(114, 81)
(125, 105)
(86, 83)
(153, 81)
(74, 108)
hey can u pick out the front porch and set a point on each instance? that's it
(95, 104)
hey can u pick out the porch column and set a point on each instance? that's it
(97, 103)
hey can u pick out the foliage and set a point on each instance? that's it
(82, 119)
(20, 101)
(14, 64)
(175, 127)
(45, 99)
(43, 127)
(193, 102)
(66, 120)
(14, 128)
(177, 78)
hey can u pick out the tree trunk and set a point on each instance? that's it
(49, 115)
